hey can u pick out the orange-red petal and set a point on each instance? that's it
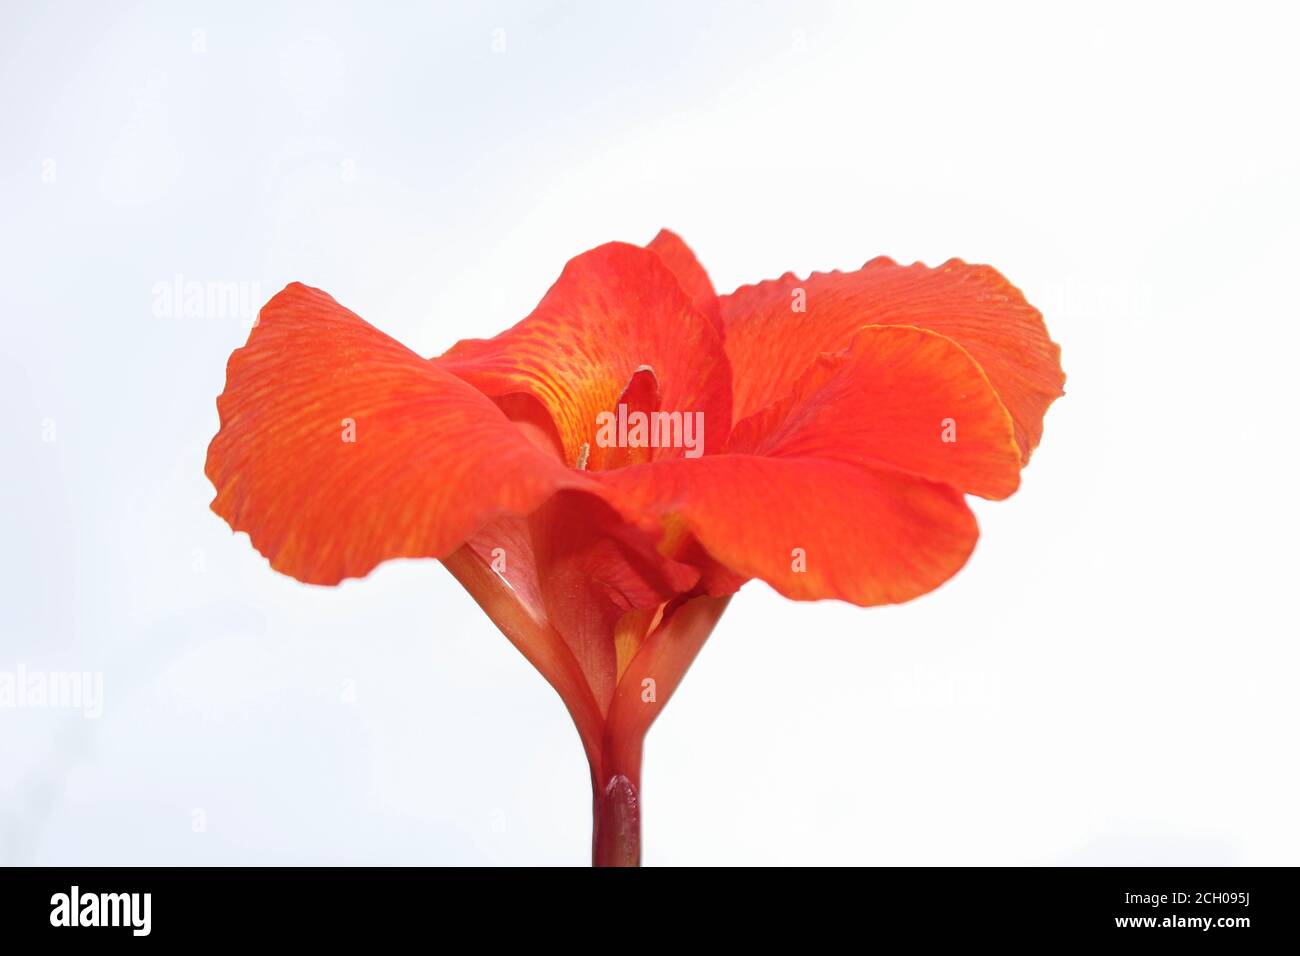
(812, 528)
(850, 487)
(695, 282)
(775, 329)
(614, 310)
(898, 396)
(340, 448)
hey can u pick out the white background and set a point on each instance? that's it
(1111, 679)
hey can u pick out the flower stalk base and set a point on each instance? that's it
(616, 823)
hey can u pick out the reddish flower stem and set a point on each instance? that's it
(616, 822)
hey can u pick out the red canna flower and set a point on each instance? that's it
(603, 476)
